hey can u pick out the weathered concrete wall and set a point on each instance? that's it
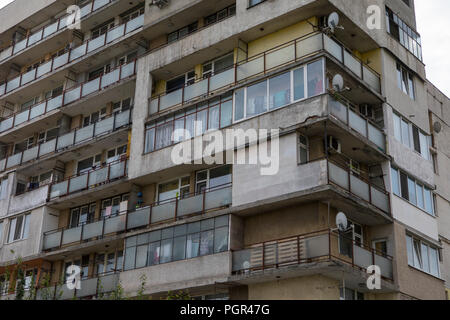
(179, 275)
(315, 287)
(29, 200)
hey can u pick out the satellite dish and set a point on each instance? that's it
(333, 21)
(341, 221)
(246, 265)
(338, 82)
(437, 127)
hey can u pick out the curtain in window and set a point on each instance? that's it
(214, 118)
(164, 135)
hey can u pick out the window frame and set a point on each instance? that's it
(24, 228)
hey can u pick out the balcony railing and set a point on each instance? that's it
(72, 55)
(358, 186)
(51, 29)
(71, 139)
(265, 62)
(71, 95)
(93, 286)
(91, 179)
(142, 217)
(308, 248)
(343, 111)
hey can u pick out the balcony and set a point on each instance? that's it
(143, 217)
(265, 62)
(77, 53)
(344, 111)
(69, 140)
(51, 29)
(316, 247)
(90, 287)
(69, 96)
(98, 176)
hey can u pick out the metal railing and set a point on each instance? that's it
(72, 55)
(267, 61)
(307, 248)
(342, 110)
(50, 29)
(68, 140)
(91, 179)
(156, 213)
(69, 96)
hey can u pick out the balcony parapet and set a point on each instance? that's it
(320, 246)
(69, 96)
(264, 63)
(157, 213)
(51, 29)
(68, 141)
(73, 54)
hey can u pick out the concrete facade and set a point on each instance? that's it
(86, 151)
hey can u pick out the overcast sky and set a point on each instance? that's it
(434, 26)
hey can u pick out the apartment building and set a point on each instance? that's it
(86, 143)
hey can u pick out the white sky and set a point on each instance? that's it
(434, 26)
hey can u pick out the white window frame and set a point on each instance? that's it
(411, 239)
(302, 146)
(180, 187)
(212, 71)
(94, 163)
(24, 229)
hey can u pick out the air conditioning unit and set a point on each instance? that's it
(334, 145)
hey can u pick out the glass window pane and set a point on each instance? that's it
(409, 248)
(141, 256)
(428, 201)
(166, 250)
(26, 227)
(194, 227)
(193, 245)
(404, 185)
(416, 254)
(239, 105)
(179, 248)
(207, 224)
(395, 182)
(434, 262)
(315, 78)
(154, 251)
(405, 133)
(299, 84)
(219, 176)
(412, 191)
(424, 149)
(167, 233)
(213, 118)
(130, 255)
(221, 221)
(420, 200)
(426, 266)
(206, 244)
(180, 230)
(221, 240)
(226, 113)
(256, 99)
(280, 91)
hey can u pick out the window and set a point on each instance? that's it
(40, 180)
(411, 136)
(18, 228)
(89, 164)
(132, 15)
(407, 37)
(94, 117)
(121, 106)
(183, 32)
(212, 178)
(214, 114)
(113, 206)
(422, 256)
(4, 284)
(82, 262)
(30, 277)
(99, 72)
(109, 262)
(350, 294)
(177, 243)
(218, 65)
(220, 15)
(48, 135)
(173, 189)
(116, 153)
(29, 103)
(252, 3)
(303, 148)
(82, 215)
(4, 189)
(97, 32)
(380, 247)
(54, 92)
(413, 191)
(405, 81)
(354, 235)
(24, 145)
(276, 92)
(179, 82)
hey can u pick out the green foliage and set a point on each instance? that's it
(180, 295)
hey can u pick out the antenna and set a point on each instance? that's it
(338, 82)
(333, 22)
(341, 222)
